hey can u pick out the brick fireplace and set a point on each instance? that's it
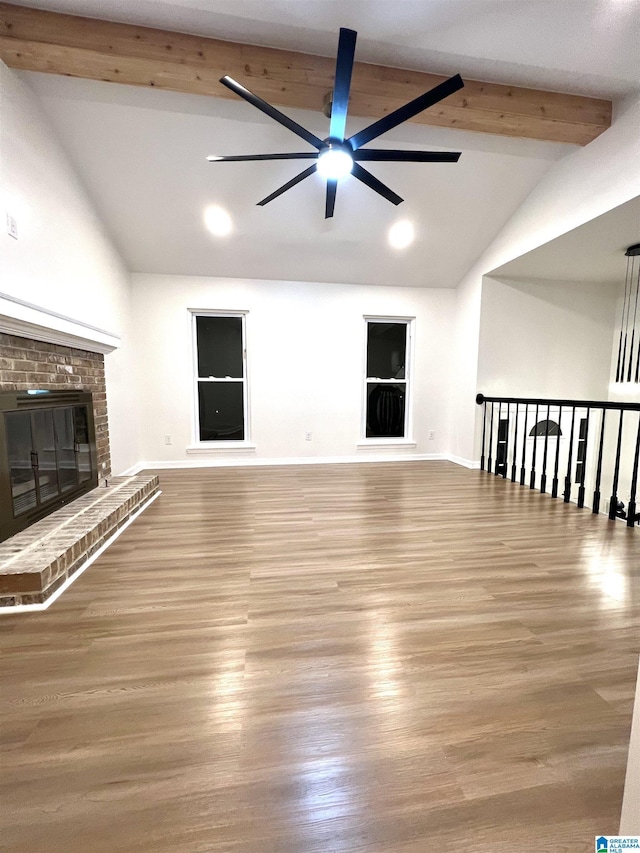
(27, 363)
(38, 563)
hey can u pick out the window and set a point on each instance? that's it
(221, 391)
(387, 378)
(543, 428)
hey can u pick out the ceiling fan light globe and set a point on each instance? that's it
(335, 163)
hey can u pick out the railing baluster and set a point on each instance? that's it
(524, 446)
(532, 481)
(631, 511)
(543, 478)
(554, 482)
(613, 503)
(515, 447)
(496, 471)
(596, 493)
(583, 469)
(506, 444)
(484, 430)
(567, 479)
(489, 461)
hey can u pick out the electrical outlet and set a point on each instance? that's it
(168, 439)
(307, 436)
(12, 226)
(431, 434)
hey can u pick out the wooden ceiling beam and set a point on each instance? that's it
(35, 40)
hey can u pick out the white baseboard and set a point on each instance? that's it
(225, 461)
(466, 463)
(284, 460)
(132, 471)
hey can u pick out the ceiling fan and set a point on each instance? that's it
(338, 156)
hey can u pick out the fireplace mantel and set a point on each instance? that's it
(31, 321)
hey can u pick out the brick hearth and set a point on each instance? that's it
(37, 561)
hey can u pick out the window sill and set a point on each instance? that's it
(386, 442)
(217, 446)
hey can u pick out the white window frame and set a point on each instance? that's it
(408, 380)
(197, 444)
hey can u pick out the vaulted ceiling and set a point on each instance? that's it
(140, 152)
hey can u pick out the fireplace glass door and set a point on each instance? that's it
(50, 459)
(21, 469)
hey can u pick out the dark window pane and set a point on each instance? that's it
(385, 410)
(221, 411)
(65, 450)
(81, 438)
(19, 447)
(219, 346)
(386, 350)
(44, 445)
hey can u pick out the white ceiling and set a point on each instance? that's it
(141, 153)
(594, 252)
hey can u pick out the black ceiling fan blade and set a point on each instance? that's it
(272, 112)
(374, 184)
(239, 158)
(406, 112)
(332, 186)
(342, 85)
(289, 184)
(391, 155)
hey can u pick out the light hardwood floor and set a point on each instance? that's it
(375, 658)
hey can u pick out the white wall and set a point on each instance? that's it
(63, 260)
(464, 364)
(583, 185)
(305, 349)
(545, 339)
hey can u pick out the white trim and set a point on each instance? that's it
(30, 608)
(220, 378)
(386, 442)
(244, 379)
(407, 381)
(150, 465)
(26, 320)
(473, 464)
(390, 318)
(206, 447)
(302, 460)
(132, 471)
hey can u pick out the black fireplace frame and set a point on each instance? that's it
(36, 400)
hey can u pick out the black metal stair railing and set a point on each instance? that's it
(589, 449)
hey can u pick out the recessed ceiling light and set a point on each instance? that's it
(218, 221)
(402, 234)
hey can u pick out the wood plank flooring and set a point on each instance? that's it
(376, 658)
